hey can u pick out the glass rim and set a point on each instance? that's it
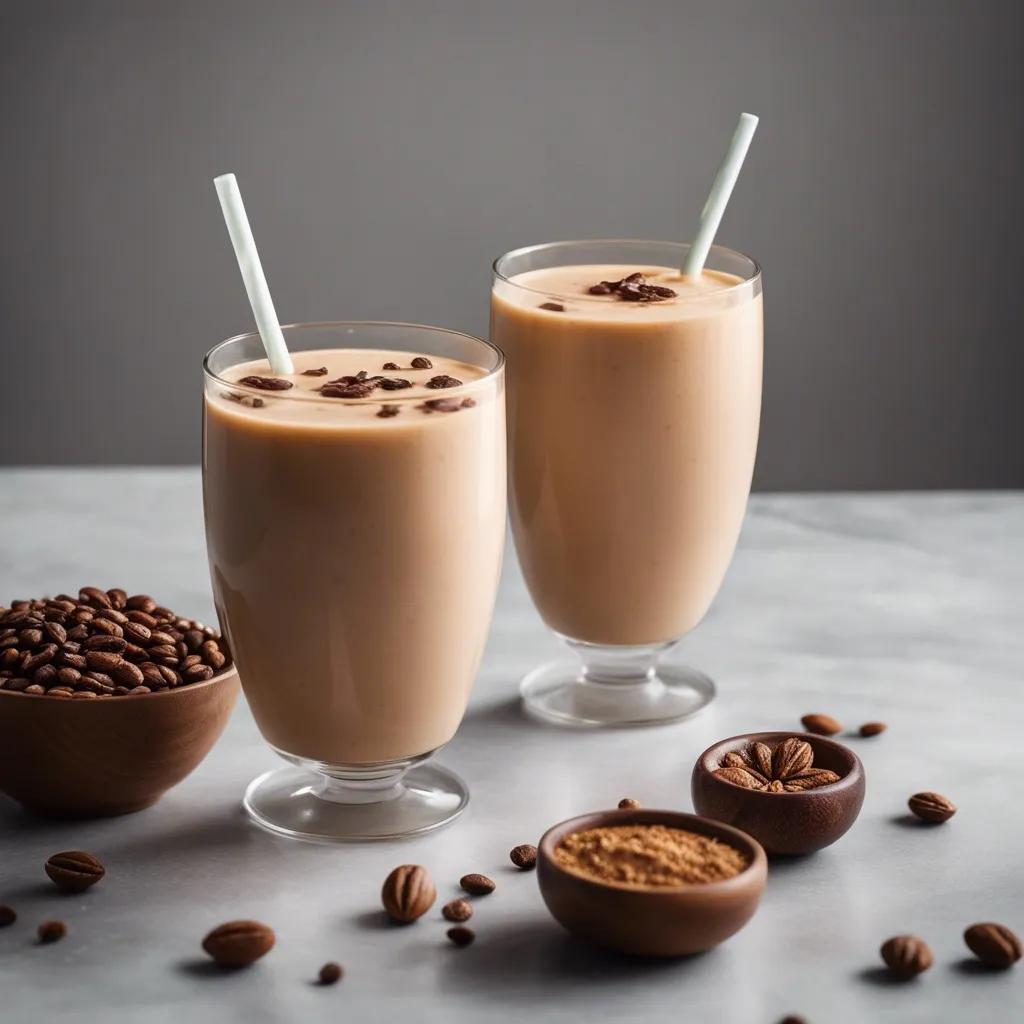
(374, 399)
(582, 242)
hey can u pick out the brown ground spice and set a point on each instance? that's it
(649, 855)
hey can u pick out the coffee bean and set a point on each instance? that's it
(477, 885)
(141, 619)
(239, 943)
(138, 690)
(45, 676)
(151, 675)
(137, 633)
(74, 871)
(73, 661)
(443, 380)
(102, 661)
(107, 644)
(193, 640)
(121, 691)
(422, 363)
(554, 307)
(331, 974)
(35, 689)
(51, 931)
(160, 638)
(59, 691)
(8, 915)
(212, 654)
(94, 597)
(141, 603)
(524, 857)
(266, 383)
(68, 676)
(56, 632)
(461, 936)
(160, 612)
(106, 626)
(192, 659)
(391, 366)
(64, 605)
(30, 638)
(17, 683)
(134, 654)
(118, 598)
(457, 910)
(197, 674)
(394, 383)
(43, 657)
(164, 651)
(170, 677)
(78, 633)
(112, 615)
(127, 674)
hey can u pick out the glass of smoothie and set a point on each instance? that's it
(634, 399)
(355, 520)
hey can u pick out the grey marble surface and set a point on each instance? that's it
(901, 608)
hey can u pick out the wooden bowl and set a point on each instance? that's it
(651, 920)
(783, 823)
(97, 758)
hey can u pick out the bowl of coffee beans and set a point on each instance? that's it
(106, 701)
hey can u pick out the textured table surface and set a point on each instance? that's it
(901, 608)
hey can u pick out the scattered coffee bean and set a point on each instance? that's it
(51, 931)
(408, 893)
(872, 728)
(319, 371)
(628, 804)
(457, 910)
(387, 411)
(74, 871)
(394, 383)
(443, 380)
(633, 288)
(422, 363)
(932, 807)
(821, 725)
(8, 915)
(266, 383)
(461, 935)
(346, 390)
(239, 943)
(993, 944)
(391, 366)
(524, 856)
(906, 955)
(331, 973)
(555, 307)
(477, 885)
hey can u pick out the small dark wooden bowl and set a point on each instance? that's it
(651, 920)
(783, 823)
(97, 758)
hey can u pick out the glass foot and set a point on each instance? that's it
(328, 804)
(615, 687)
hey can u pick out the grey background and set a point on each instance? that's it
(388, 151)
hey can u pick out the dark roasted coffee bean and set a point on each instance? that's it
(73, 661)
(443, 380)
(331, 973)
(346, 390)
(56, 632)
(35, 689)
(42, 657)
(394, 383)
(197, 674)
(554, 307)
(55, 615)
(183, 624)
(84, 695)
(121, 691)
(68, 676)
(30, 638)
(151, 674)
(159, 638)
(112, 615)
(59, 691)
(604, 288)
(422, 363)
(192, 659)
(78, 633)
(460, 935)
(193, 640)
(102, 661)
(96, 681)
(134, 654)
(171, 678)
(10, 658)
(93, 597)
(63, 604)
(17, 683)
(163, 651)
(103, 642)
(181, 648)
(477, 885)
(45, 676)
(141, 603)
(160, 612)
(139, 690)
(662, 292)
(391, 366)
(388, 411)
(106, 626)
(266, 383)
(317, 371)
(127, 674)
(118, 597)
(142, 619)
(212, 655)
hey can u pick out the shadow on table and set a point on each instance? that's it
(519, 958)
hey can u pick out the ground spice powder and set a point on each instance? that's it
(644, 855)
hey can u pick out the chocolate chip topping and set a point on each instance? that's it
(555, 307)
(387, 411)
(422, 363)
(319, 371)
(391, 366)
(442, 380)
(267, 383)
(633, 288)
(394, 383)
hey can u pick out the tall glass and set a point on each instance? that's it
(632, 434)
(355, 544)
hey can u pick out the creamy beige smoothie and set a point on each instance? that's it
(632, 433)
(355, 542)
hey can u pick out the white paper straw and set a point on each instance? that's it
(718, 199)
(252, 274)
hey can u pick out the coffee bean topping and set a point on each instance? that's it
(387, 411)
(74, 871)
(633, 288)
(422, 363)
(477, 885)
(318, 371)
(457, 910)
(357, 389)
(8, 915)
(443, 380)
(391, 366)
(107, 652)
(629, 804)
(51, 931)
(555, 307)
(239, 943)
(524, 857)
(872, 728)
(461, 936)
(394, 383)
(331, 973)
(266, 383)
(440, 405)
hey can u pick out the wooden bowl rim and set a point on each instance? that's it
(758, 865)
(711, 759)
(185, 687)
